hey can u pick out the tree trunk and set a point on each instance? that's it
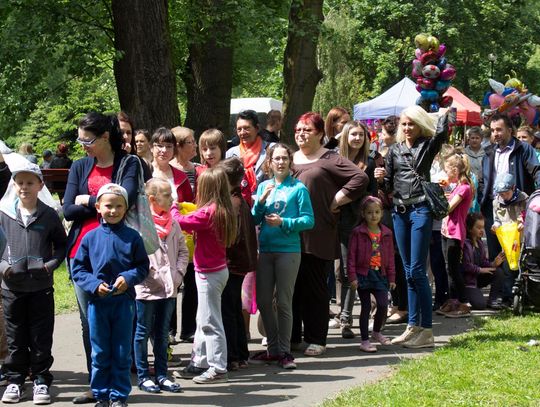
(300, 72)
(144, 72)
(209, 68)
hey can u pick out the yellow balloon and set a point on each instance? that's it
(421, 41)
(433, 43)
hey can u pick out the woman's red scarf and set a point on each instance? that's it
(250, 155)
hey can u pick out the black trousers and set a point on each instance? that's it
(453, 256)
(29, 319)
(233, 319)
(311, 301)
(189, 304)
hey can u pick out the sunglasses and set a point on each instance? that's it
(86, 143)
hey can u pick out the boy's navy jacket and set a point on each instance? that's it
(34, 251)
(107, 252)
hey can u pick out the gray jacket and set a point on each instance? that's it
(34, 251)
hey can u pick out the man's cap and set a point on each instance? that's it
(504, 182)
(47, 153)
(27, 166)
(113, 189)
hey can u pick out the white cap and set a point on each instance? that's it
(113, 189)
(27, 166)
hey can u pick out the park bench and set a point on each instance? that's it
(56, 180)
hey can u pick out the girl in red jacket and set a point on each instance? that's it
(371, 269)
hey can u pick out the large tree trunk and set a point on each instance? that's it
(144, 72)
(208, 74)
(300, 72)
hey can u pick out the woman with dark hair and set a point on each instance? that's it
(333, 181)
(164, 148)
(101, 139)
(336, 118)
(126, 128)
(252, 148)
(142, 146)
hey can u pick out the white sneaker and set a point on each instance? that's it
(410, 331)
(424, 339)
(12, 394)
(334, 323)
(41, 394)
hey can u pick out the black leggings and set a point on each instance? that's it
(381, 296)
(453, 258)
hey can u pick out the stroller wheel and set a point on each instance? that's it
(518, 305)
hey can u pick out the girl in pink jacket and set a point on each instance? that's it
(371, 269)
(214, 224)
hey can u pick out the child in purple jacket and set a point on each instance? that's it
(478, 272)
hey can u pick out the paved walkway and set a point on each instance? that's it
(342, 367)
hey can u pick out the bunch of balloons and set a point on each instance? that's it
(513, 99)
(432, 72)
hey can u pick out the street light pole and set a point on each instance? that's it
(492, 58)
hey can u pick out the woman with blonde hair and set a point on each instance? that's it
(408, 163)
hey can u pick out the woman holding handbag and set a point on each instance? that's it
(407, 167)
(101, 139)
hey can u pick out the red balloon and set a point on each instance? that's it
(428, 58)
(446, 101)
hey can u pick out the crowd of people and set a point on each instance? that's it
(255, 226)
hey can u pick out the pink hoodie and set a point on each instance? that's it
(209, 255)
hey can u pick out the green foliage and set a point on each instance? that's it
(48, 48)
(51, 123)
(368, 45)
(490, 366)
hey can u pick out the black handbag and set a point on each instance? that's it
(437, 201)
(435, 198)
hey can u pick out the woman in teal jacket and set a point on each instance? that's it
(283, 209)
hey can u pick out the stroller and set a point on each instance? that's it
(526, 289)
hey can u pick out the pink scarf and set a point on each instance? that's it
(163, 222)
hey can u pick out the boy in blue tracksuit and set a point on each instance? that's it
(110, 261)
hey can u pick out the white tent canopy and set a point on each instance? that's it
(260, 105)
(403, 94)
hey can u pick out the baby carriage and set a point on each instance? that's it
(526, 289)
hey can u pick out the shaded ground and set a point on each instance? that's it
(342, 367)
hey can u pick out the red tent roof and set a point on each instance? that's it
(468, 112)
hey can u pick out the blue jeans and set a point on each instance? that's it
(413, 234)
(153, 317)
(111, 323)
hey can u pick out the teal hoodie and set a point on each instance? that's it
(291, 201)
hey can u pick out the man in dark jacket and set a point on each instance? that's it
(508, 154)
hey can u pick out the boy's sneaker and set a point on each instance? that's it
(41, 394)
(12, 394)
(189, 372)
(211, 376)
(118, 403)
(263, 357)
(101, 403)
(287, 361)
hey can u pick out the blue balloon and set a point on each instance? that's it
(442, 86)
(429, 95)
(442, 63)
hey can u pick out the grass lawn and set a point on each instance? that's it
(489, 366)
(64, 295)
